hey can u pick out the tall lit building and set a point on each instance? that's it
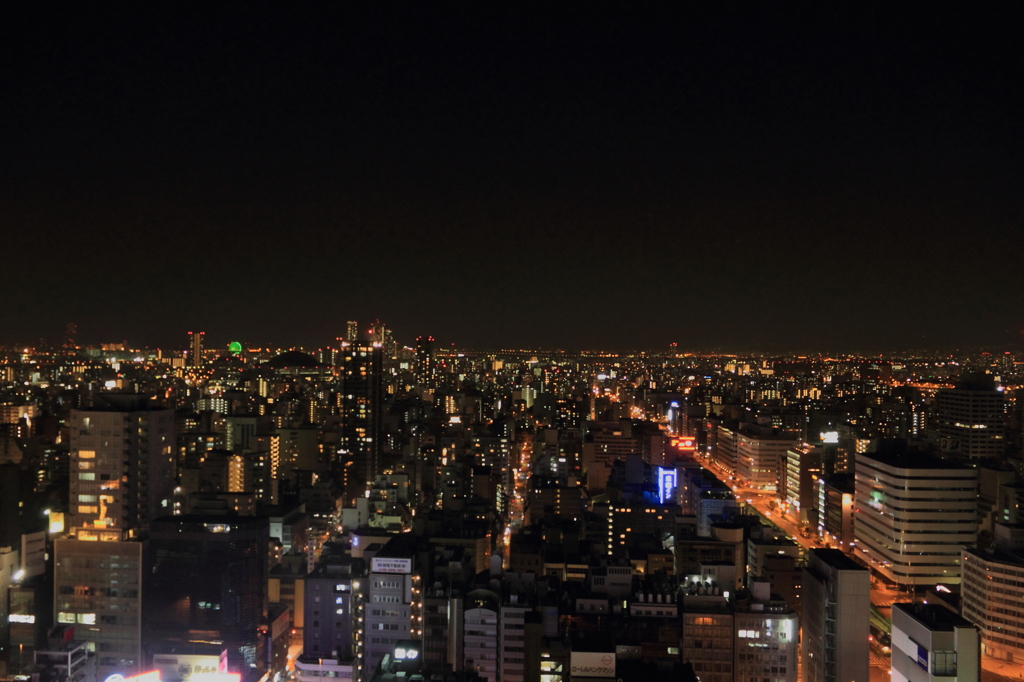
(425, 361)
(914, 513)
(836, 601)
(195, 349)
(362, 400)
(972, 417)
(352, 331)
(121, 463)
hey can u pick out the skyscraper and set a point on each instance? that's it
(352, 331)
(362, 398)
(972, 417)
(425, 361)
(195, 349)
(121, 463)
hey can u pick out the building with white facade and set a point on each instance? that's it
(992, 592)
(931, 643)
(915, 512)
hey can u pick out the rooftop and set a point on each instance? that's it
(933, 616)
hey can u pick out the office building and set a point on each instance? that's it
(972, 418)
(930, 643)
(393, 599)
(760, 458)
(803, 469)
(121, 463)
(992, 593)
(836, 600)
(915, 512)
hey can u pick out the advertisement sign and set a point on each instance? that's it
(667, 481)
(184, 667)
(592, 664)
(379, 565)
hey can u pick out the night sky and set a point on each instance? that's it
(772, 177)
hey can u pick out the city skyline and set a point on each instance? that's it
(720, 178)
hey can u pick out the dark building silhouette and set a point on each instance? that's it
(208, 584)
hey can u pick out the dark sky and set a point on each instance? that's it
(768, 177)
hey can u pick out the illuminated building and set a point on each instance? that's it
(122, 463)
(195, 349)
(425, 370)
(393, 609)
(931, 643)
(803, 468)
(362, 402)
(352, 331)
(332, 636)
(605, 443)
(835, 510)
(766, 638)
(97, 587)
(836, 601)
(992, 593)
(972, 418)
(914, 513)
(759, 458)
(709, 634)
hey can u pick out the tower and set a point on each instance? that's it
(195, 349)
(352, 331)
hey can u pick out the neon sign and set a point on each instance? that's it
(667, 481)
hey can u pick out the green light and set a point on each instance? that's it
(235, 347)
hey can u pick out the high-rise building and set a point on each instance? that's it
(195, 349)
(425, 361)
(972, 418)
(914, 513)
(121, 463)
(352, 331)
(361, 406)
(836, 601)
(97, 587)
(931, 643)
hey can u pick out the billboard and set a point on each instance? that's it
(381, 565)
(592, 664)
(184, 667)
